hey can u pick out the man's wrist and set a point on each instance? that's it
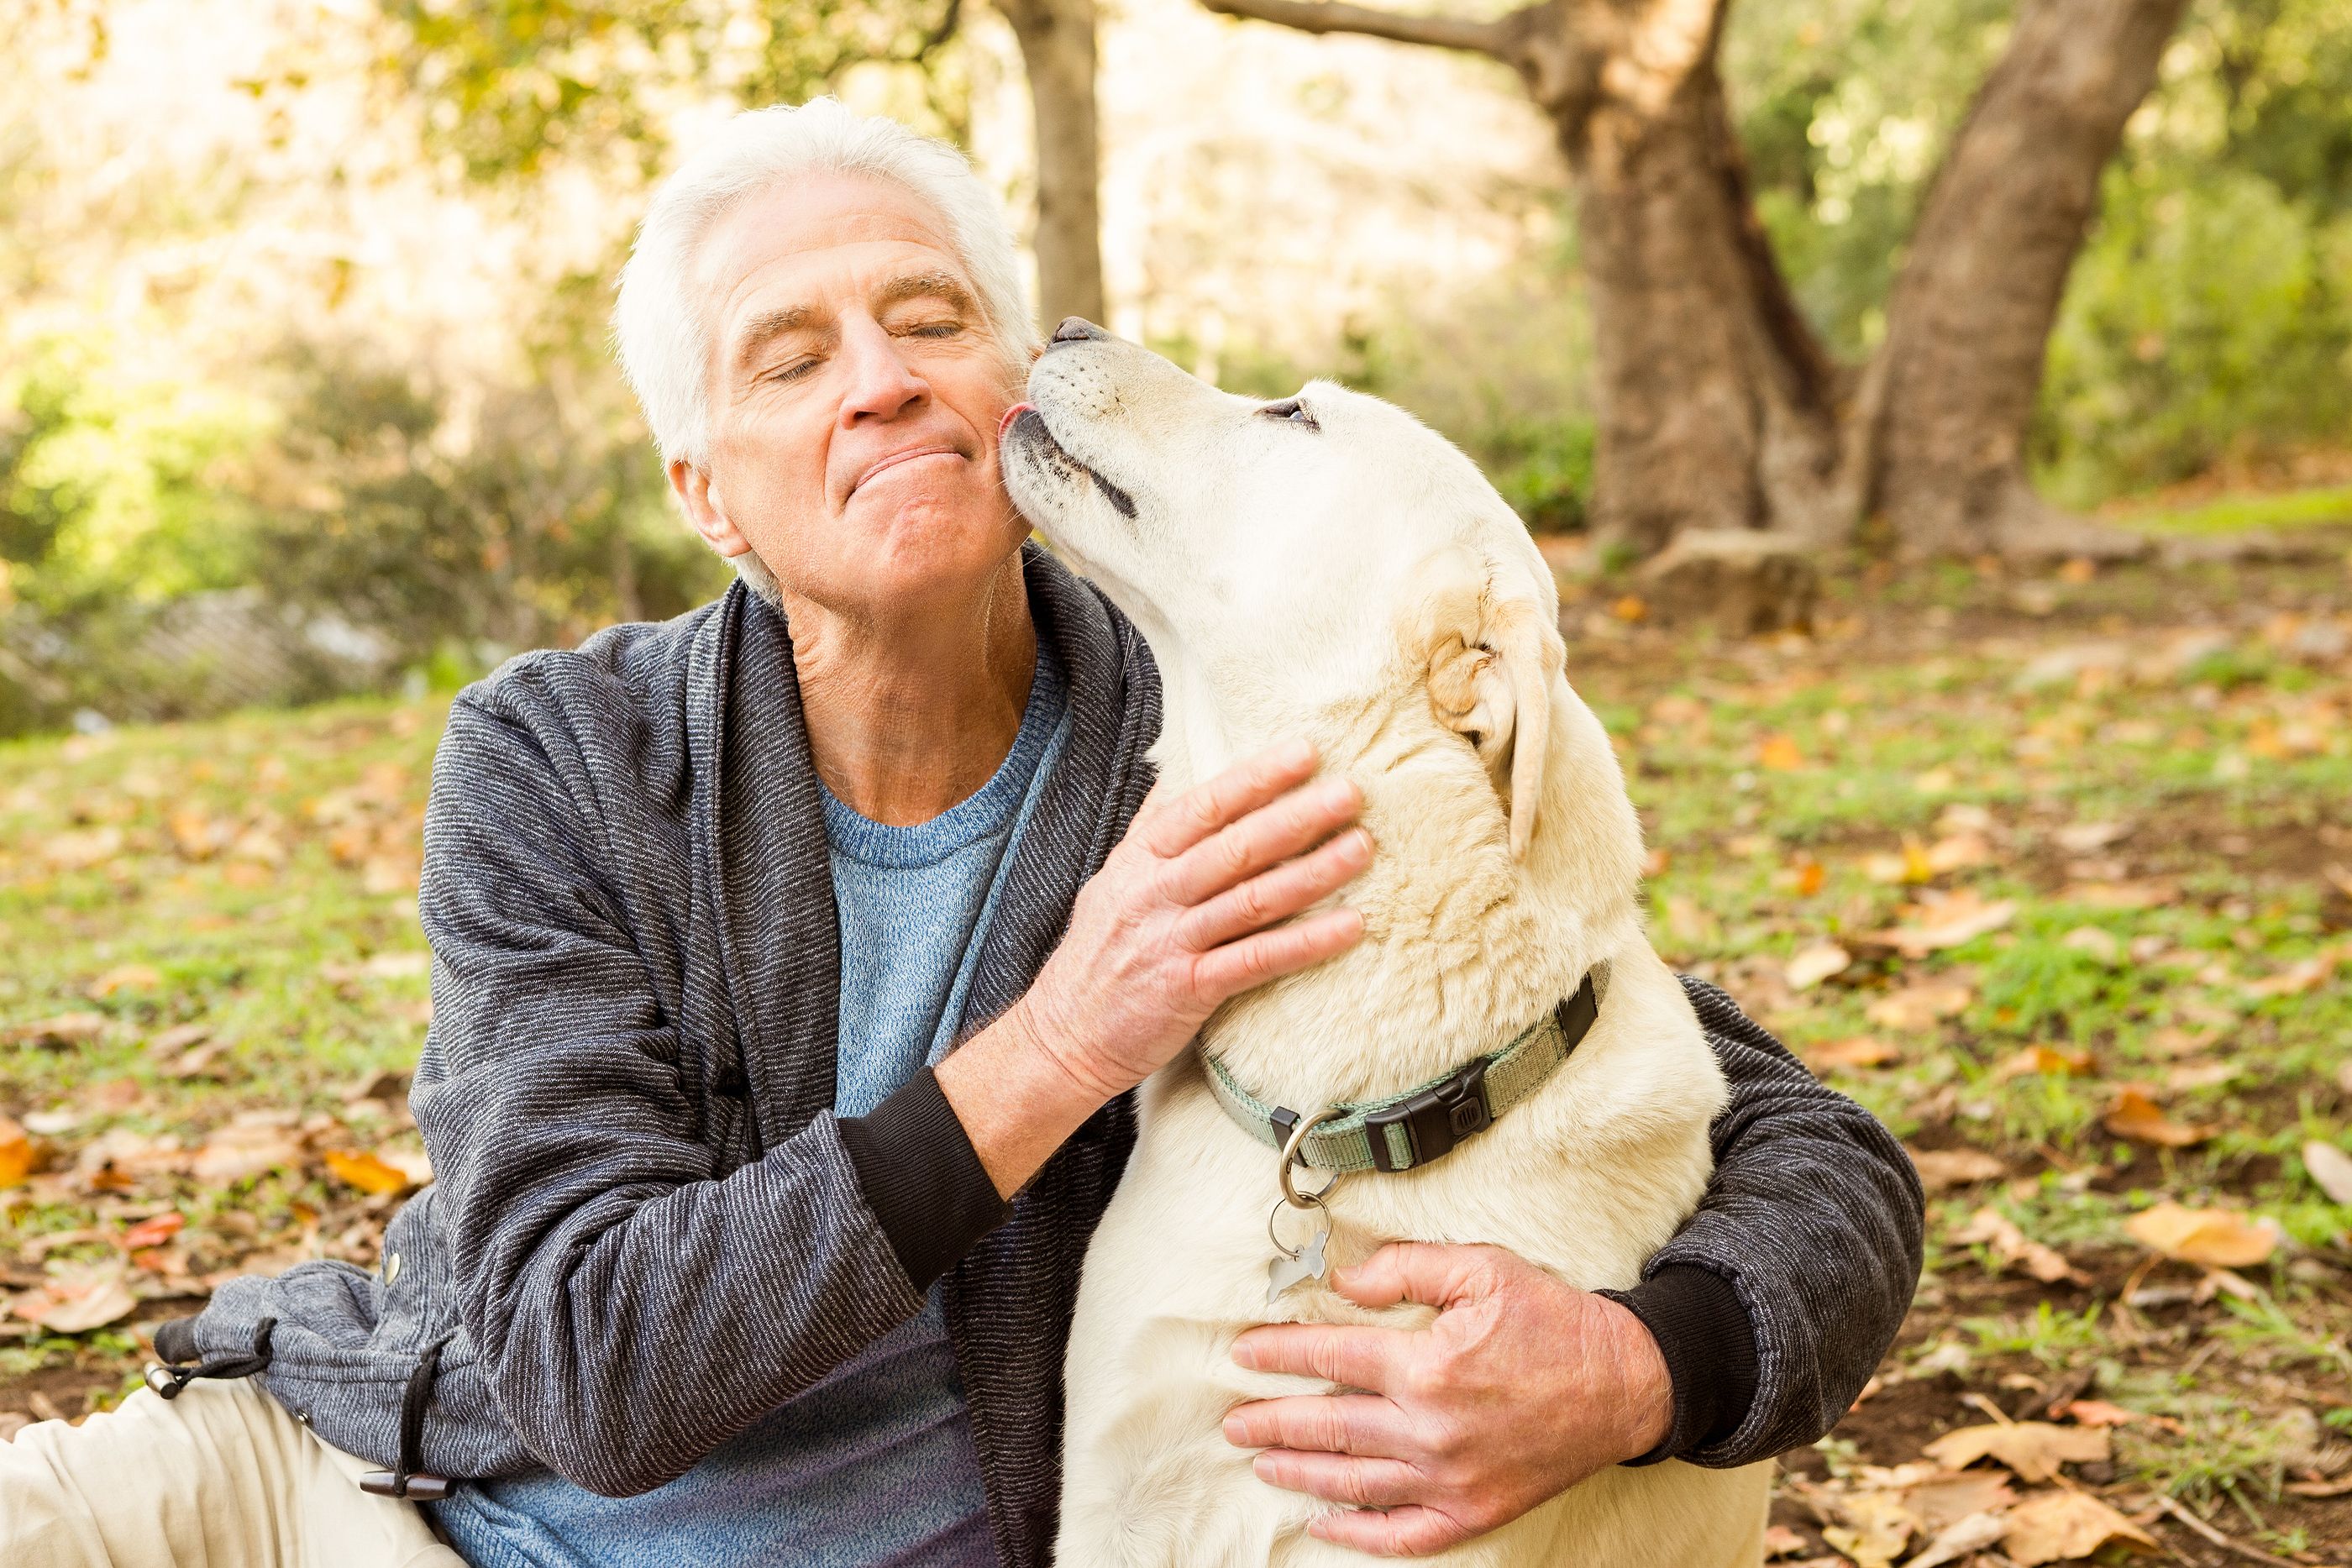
(1016, 1098)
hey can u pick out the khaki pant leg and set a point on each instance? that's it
(220, 1477)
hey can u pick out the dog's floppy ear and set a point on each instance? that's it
(1492, 655)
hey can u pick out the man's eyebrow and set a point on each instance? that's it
(923, 285)
(767, 326)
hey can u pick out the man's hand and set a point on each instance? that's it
(1521, 1387)
(1191, 908)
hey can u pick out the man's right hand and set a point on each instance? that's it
(1176, 921)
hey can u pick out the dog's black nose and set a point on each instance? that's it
(1077, 329)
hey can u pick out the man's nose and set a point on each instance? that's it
(881, 384)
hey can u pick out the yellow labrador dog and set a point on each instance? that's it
(1501, 1059)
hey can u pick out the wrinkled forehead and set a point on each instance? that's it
(808, 243)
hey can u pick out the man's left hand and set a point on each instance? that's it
(1520, 1388)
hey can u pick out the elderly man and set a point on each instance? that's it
(793, 963)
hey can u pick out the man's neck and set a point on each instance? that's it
(909, 716)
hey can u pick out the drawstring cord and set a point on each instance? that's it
(168, 1378)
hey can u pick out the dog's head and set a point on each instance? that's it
(1310, 565)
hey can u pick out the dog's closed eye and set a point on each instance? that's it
(1291, 410)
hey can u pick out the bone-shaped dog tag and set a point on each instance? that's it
(1285, 1272)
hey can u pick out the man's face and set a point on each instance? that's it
(855, 392)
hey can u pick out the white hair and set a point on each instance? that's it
(661, 329)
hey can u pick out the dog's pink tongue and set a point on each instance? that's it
(1015, 411)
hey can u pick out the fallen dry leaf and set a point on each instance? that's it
(2138, 1118)
(1877, 1528)
(249, 1145)
(2033, 1451)
(125, 977)
(2041, 1059)
(77, 1297)
(1963, 1537)
(16, 1154)
(81, 851)
(2149, 893)
(384, 873)
(2330, 1168)
(365, 1172)
(1780, 1541)
(61, 1032)
(2217, 1238)
(151, 1231)
(1861, 1050)
(1959, 851)
(401, 966)
(1991, 1228)
(1815, 964)
(1920, 1006)
(1910, 868)
(2064, 1526)
(1957, 918)
(2098, 1413)
(180, 1037)
(2198, 1074)
(1949, 1496)
(2298, 978)
(1941, 1168)
(2100, 944)
(1780, 754)
(2089, 838)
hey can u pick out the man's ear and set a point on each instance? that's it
(692, 487)
(1492, 655)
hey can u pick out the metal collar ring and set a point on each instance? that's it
(1290, 1158)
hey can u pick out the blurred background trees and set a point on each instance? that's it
(303, 383)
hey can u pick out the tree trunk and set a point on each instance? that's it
(1058, 48)
(1971, 312)
(1715, 400)
(1718, 406)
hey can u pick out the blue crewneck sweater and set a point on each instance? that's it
(873, 1467)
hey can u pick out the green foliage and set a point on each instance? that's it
(341, 490)
(1845, 110)
(546, 523)
(514, 82)
(2211, 317)
(117, 483)
(2208, 319)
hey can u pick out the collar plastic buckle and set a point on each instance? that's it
(1432, 1121)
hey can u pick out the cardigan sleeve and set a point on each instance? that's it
(1781, 1293)
(634, 1303)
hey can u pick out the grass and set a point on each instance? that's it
(254, 877)
(2296, 508)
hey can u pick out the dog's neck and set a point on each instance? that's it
(1463, 946)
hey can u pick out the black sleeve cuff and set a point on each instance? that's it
(922, 1178)
(1709, 1347)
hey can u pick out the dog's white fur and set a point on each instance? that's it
(1361, 585)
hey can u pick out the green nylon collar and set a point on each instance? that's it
(1407, 1131)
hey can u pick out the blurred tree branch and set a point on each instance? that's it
(1499, 39)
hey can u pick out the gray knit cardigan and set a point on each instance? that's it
(650, 1228)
